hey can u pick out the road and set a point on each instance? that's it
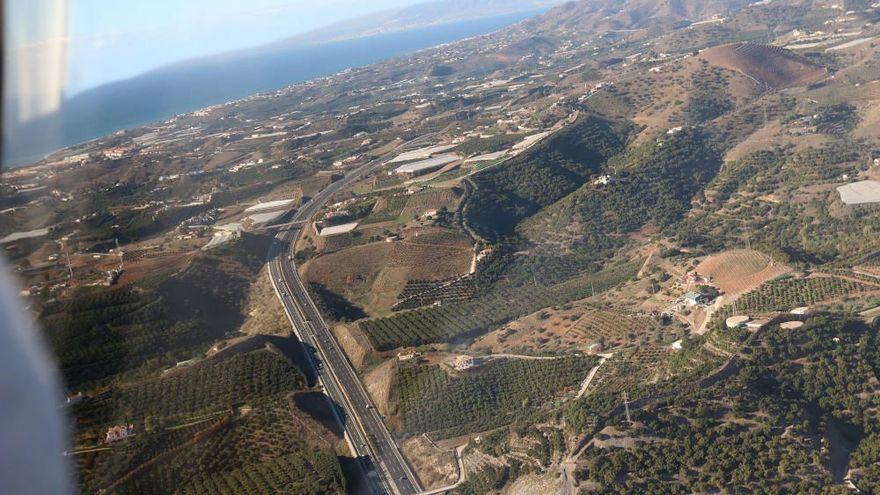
(364, 427)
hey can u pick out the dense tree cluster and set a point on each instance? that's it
(553, 168)
(790, 420)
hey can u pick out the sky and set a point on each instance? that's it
(54, 49)
(100, 41)
(116, 39)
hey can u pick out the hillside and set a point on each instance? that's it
(137, 354)
(648, 15)
(556, 167)
(611, 249)
(770, 65)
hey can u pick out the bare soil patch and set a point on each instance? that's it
(373, 275)
(771, 65)
(435, 467)
(263, 310)
(160, 264)
(740, 270)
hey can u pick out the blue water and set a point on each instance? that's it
(182, 88)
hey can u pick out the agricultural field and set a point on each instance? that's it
(266, 447)
(772, 65)
(307, 473)
(733, 418)
(227, 413)
(792, 293)
(419, 293)
(787, 206)
(429, 399)
(679, 131)
(98, 332)
(141, 265)
(578, 326)
(870, 268)
(431, 199)
(387, 209)
(543, 175)
(364, 234)
(460, 321)
(628, 368)
(611, 329)
(192, 391)
(740, 270)
(434, 236)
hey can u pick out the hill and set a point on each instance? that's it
(615, 15)
(772, 65)
(506, 195)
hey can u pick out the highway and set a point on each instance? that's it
(364, 426)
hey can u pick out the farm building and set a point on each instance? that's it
(17, 236)
(694, 278)
(258, 219)
(488, 157)
(337, 229)
(695, 298)
(858, 193)
(426, 166)
(791, 325)
(603, 180)
(422, 153)
(269, 205)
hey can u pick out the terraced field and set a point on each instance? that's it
(872, 270)
(424, 292)
(613, 329)
(771, 65)
(316, 474)
(431, 400)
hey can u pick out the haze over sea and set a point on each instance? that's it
(184, 87)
